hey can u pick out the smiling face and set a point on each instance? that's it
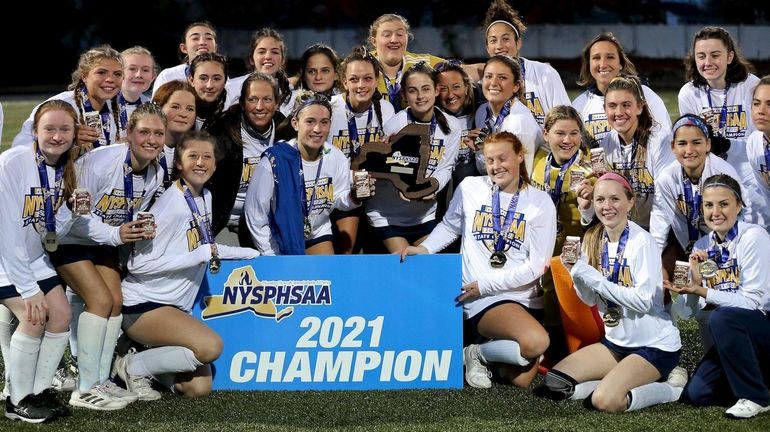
(147, 138)
(196, 163)
(503, 164)
(103, 81)
(209, 81)
(259, 105)
(720, 209)
(611, 203)
(199, 40)
(760, 108)
(623, 112)
(360, 82)
(421, 93)
(138, 73)
(453, 92)
(691, 148)
(180, 111)
(501, 39)
(498, 83)
(564, 139)
(268, 56)
(55, 133)
(390, 42)
(711, 60)
(312, 125)
(604, 63)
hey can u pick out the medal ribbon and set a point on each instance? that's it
(353, 130)
(128, 187)
(723, 112)
(308, 206)
(500, 232)
(692, 202)
(50, 197)
(613, 275)
(104, 114)
(766, 151)
(394, 91)
(433, 122)
(499, 121)
(123, 103)
(555, 193)
(204, 228)
(720, 252)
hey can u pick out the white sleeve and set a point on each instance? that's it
(657, 108)
(541, 232)
(755, 279)
(25, 135)
(585, 292)
(14, 254)
(646, 270)
(443, 172)
(687, 103)
(150, 264)
(91, 226)
(663, 155)
(256, 207)
(235, 252)
(342, 180)
(557, 94)
(450, 226)
(662, 214)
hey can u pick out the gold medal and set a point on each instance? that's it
(497, 260)
(308, 229)
(708, 269)
(50, 242)
(611, 317)
(214, 264)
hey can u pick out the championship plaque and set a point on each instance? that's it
(681, 274)
(148, 222)
(82, 201)
(571, 249)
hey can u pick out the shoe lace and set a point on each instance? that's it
(139, 382)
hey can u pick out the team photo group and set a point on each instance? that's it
(121, 193)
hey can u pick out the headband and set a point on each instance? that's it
(724, 185)
(515, 30)
(690, 120)
(616, 178)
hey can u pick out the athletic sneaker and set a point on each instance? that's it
(744, 409)
(97, 398)
(6, 392)
(119, 392)
(65, 379)
(28, 410)
(476, 374)
(140, 385)
(678, 377)
(50, 398)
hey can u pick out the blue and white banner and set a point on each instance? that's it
(344, 322)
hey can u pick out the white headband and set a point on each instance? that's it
(515, 30)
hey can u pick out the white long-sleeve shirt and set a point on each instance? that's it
(590, 105)
(174, 73)
(332, 191)
(339, 135)
(543, 88)
(642, 178)
(386, 207)
(756, 146)
(670, 210)
(528, 246)
(23, 261)
(519, 122)
(169, 269)
(101, 172)
(638, 294)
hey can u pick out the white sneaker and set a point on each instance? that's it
(6, 392)
(141, 386)
(97, 398)
(65, 379)
(678, 377)
(476, 374)
(119, 392)
(744, 409)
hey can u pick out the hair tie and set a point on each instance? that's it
(690, 120)
(617, 178)
(515, 30)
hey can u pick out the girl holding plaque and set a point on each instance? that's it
(619, 271)
(508, 230)
(729, 282)
(164, 277)
(42, 173)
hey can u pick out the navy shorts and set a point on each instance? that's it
(663, 361)
(342, 214)
(68, 254)
(471, 325)
(315, 241)
(410, 233)
(46, 285)
(132, 313)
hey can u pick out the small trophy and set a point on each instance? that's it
(681, 274)
(483, 133)
(362, 184)
(575, 178)
(598, 163)
(148, 223)
(93, 119)
(571, 249)
(82, 201)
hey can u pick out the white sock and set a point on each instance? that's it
(78, 307)
(108, 349)
(7, 326)
(583, 390)
(91, 331)
(502, 351)
(24, 352)
(51, 352)
(162, 360)
(653, 394)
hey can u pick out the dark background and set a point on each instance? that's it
(41, 56)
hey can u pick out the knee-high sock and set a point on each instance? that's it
(78, 307)
(51, 352)
(584, 389)
(653, 394)
(91, 331)
(108, 349)
(24, 352)
(502, 351)
(162, 360)
(7, 326)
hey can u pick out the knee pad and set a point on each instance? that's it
(556, 386)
